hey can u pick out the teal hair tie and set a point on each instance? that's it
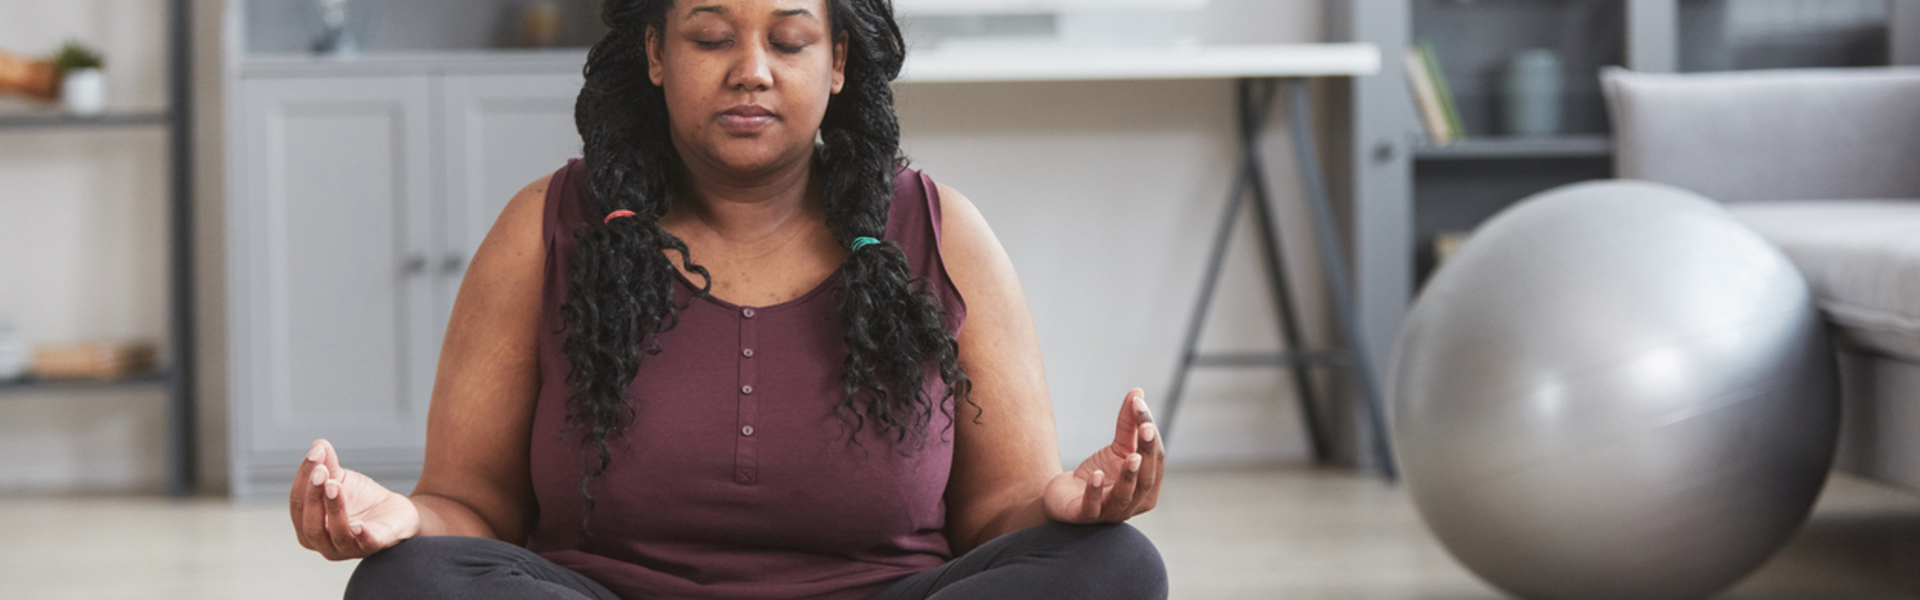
(863, 241)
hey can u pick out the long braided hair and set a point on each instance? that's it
(621, 286)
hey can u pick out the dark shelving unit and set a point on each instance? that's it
(52, 120)
(177, 375)
(1459, 185)
(149, 380)
(1559, 146)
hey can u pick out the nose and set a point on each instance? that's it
(752, 70)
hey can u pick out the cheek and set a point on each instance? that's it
(808, 93)
(686, 101)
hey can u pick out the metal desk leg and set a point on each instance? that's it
(1334, 262)
(1255, 101)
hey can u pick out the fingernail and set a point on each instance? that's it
(1133, 463)
(1151, 432)
(355, 528)
(315, 454)
(333, 491)
(319, 475)
(1099, 478)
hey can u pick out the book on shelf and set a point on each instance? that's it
(1426, 98)
(1438, 112)
(93, 360)
(1445, 92)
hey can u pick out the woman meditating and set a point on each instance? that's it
(740, 351)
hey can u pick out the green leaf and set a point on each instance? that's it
(75, 55)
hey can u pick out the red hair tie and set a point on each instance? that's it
(615, 215)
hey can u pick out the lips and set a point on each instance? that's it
(746, 118)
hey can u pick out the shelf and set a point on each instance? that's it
(405, 63)
(155, 380)
(1565, 146)
(55, 119)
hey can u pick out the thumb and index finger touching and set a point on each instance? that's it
(1127, 428)
(320, 455)
(303, 500)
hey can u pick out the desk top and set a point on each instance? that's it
(980, 62)
(1068, 62)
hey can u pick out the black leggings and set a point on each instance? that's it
(1054, 560)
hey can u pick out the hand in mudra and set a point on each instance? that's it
(342, 514)
(1118, 481)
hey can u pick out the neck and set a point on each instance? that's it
(747, 208)
(751, 209)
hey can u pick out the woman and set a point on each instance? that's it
(850, 398)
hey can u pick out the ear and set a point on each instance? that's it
(839, 63)
(656, 69)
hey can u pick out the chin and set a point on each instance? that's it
(750, 157)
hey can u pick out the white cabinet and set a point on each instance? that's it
(499, 132)
(358, 201)
(330, 314)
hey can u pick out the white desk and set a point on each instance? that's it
(1070, 62)
(1258, 69)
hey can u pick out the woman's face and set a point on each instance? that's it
(746, 81)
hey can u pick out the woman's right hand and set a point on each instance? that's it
(344, 515)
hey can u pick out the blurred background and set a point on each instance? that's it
(189, 297)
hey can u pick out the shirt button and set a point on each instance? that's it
(748, 430)
(746, 312)
(747, 352)
(746, 389)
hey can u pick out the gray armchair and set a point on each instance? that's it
(1826, 164)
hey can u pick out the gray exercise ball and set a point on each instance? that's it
(1614, 390)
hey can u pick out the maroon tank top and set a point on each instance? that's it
(735, 479)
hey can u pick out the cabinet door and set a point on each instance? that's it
(499, 133)
(330, 251)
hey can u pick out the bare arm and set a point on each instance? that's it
(1003, 462)
(1006, 470)
(476, 480)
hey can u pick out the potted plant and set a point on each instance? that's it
(83, 87)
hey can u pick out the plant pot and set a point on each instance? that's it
(13, 353)
(84, 91)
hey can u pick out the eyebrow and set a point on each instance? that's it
(722, 10)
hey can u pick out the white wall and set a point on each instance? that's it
(1105, 194)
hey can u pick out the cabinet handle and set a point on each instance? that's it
(415, 265)
(1383, 150)
(453, 264)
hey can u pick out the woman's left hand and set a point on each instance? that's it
(1120, 480)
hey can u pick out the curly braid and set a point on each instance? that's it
(619, 295)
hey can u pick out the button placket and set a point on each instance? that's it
(745, 464)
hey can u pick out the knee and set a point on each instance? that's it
(413, 568)
(1134, 557)
(1121, 555)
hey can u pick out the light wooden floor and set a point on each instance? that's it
(1281, 532)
